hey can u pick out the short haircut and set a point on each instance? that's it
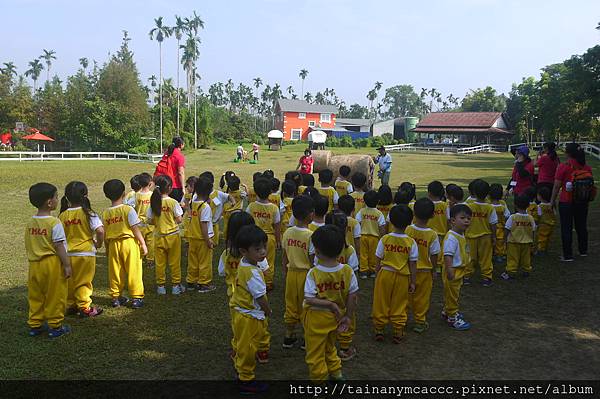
(144, 179)
(268, 173)
(308, 180)
(190, 181)
(39, 193)
(134, 183)
(496, 191)
(294, 176)
(346, 204)
(371, 198)
(531, 193)
(250, 236)
(208, 175)
(424, 208)
(455, 192)
(522, 202)
(471, 186)
(436, 188)
(410, 188)
(337, 218)
(326, 176)
(329, 240)
(481, 189)
(113, 189)
(385, 195)
(289, 188)
(545, 193)
(233, 183)
(256, 175)
(401, 216)
(345, 170)
(359, 180)
(275, 183)
(302, 207)
(236, 222)
(321, 205)
(262, 188)
(311, 192)
(460, 208)
(403, 197)
(203, 187)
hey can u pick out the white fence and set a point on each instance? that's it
(446, 149)
(590, 148)
(77, 156)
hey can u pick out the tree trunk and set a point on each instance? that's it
(178, 88)
(160, 81)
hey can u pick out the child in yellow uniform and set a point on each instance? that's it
(49, 264)
(141, 204)
(249, 305)
(326, 178)
(308, 180)
(275, 196)
(546, 219)
(166, 214)
(454, 195)
(471, 188)
(135, 187)
(429, 249)
(186, 204)
(456, 257)
(439, 221)
(123, 243)
(396, 268)
(330, 295)
(81, 225)
(267, 217)
(353, 232)
(289, 191)
(235, 203)
(342, 183)
(481, 234)
(296, 261)
(201, 235)
(520, 230)
(372, 227)
(386, 201)
(503, 213)
(359, 181)
(251, 195)
(321, 209)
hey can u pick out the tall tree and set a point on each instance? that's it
(179, 29)
(48, 56)
(308, 97)
(402, 100)
(483, 100)
(35, 69)
(84, 63)
(303, 74)
(9, 69)
(160, 32)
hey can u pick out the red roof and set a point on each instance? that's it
(460, 122)
(37, 136)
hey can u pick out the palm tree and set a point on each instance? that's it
(34, 71)
(371, 96)
(194, 24)
(303, 74)
(190, 54)
(308, 97)
(160, 32)
(84, 62)
(378, 86)
(48, 56)
(179, 28)
(9, 69)
(290, 90)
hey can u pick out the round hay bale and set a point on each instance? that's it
(321, 160)
(357, 163)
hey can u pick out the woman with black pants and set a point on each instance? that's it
(571, 212)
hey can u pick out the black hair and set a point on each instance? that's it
(256, 175)
(76, 194)
(481, 189)
(385, 195)
(203, 187)
(262, 188)
(410, 188)
(289, 189)
(321, 205)
(329, 240)
(294, 176)
(307, 152)
(177, 143)
(455, 192)
(522, 202)
(302, 206)
(550, 148)
(359, 180)
(545, 193)
(225, 177)
(400, 216)
(144, 179)
(236, 222)
(424, 208)
(275, 183)
(308, 180)
(249, 236)
(339, 219)
(436, 189)
(403, 197)
(346, 204)
(208, 175)
(311, 192)
(471, 186)
(460, 208)
(163, 186)
(326, 176)
(39, 193)
(113, 189)
(233, 184)
(371, 198)
(573, 150)
(531, 193)
(191, 181)
(268, 173)
(345, 170)
(134, 183)
(496, 191)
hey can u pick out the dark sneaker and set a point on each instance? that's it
(525, 274)
(120, 301)
(252, 387)
(372, 274)
(398, 336)
(92, 311)
(379, 337)
(459, 324)
(487, 282)
(191, 286)
(506, 276)
(71, 311)
(288, 342)
(36, 332)
(363, 275)
(421, 327)
(262, 357)
(204, 288)
(137, 303)
(563, 259)
(583, 255)
(303, 344)
(466, 280)
(347, 354)
(58, 332)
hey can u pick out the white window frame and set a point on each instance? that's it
(326, 120)
(312, 123)
(299, 131)
(301, 115)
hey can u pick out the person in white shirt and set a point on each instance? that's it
(384, 160)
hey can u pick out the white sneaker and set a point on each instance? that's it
(161, 290)
(177, 289)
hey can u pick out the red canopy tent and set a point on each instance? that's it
(38, 137)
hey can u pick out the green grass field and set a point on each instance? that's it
(544, 328)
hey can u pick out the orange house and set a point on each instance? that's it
(295, 117)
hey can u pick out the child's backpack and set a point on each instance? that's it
(164, 167)
(584, 190)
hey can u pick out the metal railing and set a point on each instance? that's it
(21, 156)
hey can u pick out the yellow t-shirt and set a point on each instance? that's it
(301, 189)
(395, 251)
(439, 221)
(343, 187)
(200, 212)
(249, 286)
(142, 203)
(521, 227)
(79, 230)
(546, 214)
(484, 216)
(359, 201)
(251, 195)
(313, 226)
(275, 199)
(285, 209)
(428, 244)
(331, 195)
(130, 197)
(266, 216)
(370, 219)
(532, 210)
(297, 246)
(385, 210)
(165, 223)
(502, 213)
(228, 265)
(41, 232)
(456, 245)
(353, 231)
(348, 257)
(228, 208)
(118, 221)
(331, 283)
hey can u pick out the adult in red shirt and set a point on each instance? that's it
(547, 161)
(568, 211)
(305, 164)
(177, 167)
(522, 174)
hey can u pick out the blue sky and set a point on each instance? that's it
(345, 44)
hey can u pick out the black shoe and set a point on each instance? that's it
(303, 345)
(252, 387)
(288, 342)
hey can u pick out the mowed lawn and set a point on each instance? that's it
(546, 327)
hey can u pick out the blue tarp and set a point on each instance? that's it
(353, 135)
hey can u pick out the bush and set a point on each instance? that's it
(346, 141)
(377, 141)
(360, 143)
(332, 141)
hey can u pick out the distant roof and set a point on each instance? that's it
(353, 121)
(460, 122)
(287, 105)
